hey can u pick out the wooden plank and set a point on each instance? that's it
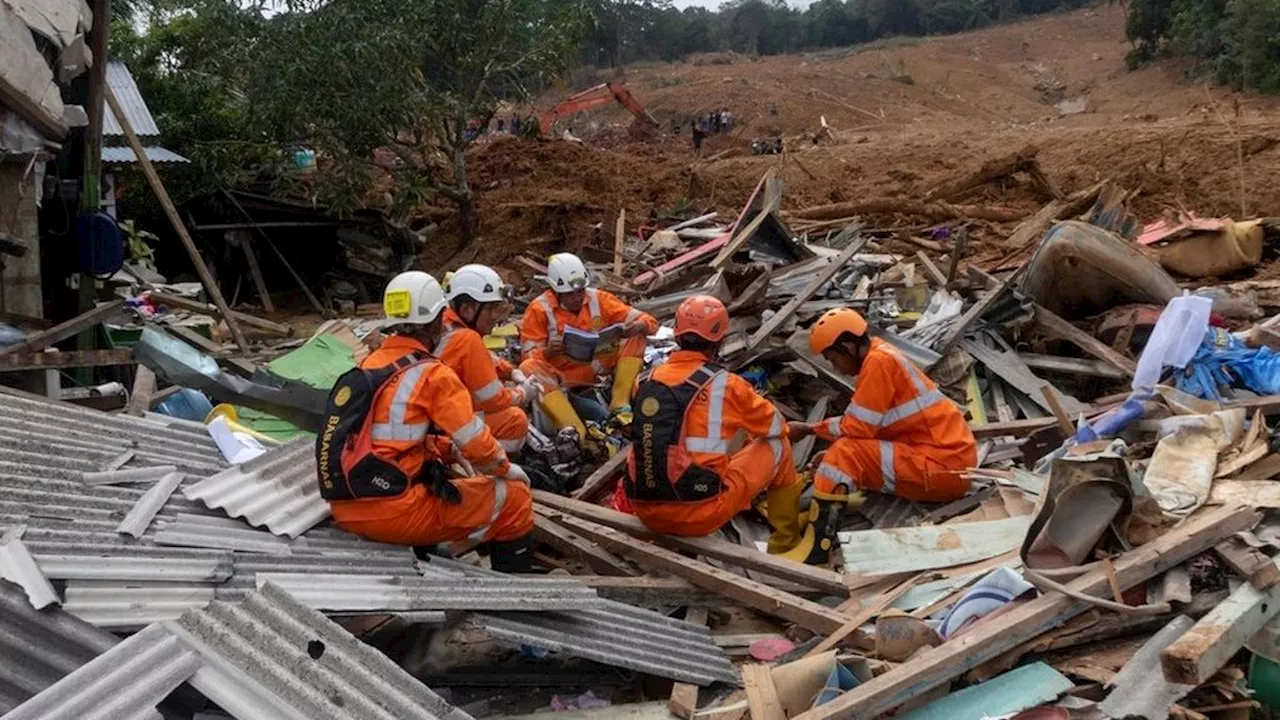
(619, 232)
(978, 309)
(1072, 366)
(820, 278)
(684, 696)
(805, 613)
(259, 284)
(1248, 562)
(651, 591)
(64, 330)
(762, 695)
(740, 233)
(1009, 368)
(144, 388)
(876, 606)
(1056, 406)
(311, 298)
(196, 306)
(1016, 428)
(195, 339)
(65, 359)
(1023, 622)
(739, 239)
(807, 575)
(157, 187)
(1056, 326)
(957, 254)
(603, 476)
(1265, 469)
(801, 451)
(1209, 644)
(547, 531)
(931, 270)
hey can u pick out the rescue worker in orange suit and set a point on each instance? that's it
(570, 305)
(476, 302)
(685, 476)
(899, 434)
(422, 399)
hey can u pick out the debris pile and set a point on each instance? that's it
(1114, 556)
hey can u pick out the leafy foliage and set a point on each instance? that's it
(1238, 41)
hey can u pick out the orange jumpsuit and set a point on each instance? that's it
(899, 435)
(495, 506)
(463, 350)
(545, 319)
(727, 406)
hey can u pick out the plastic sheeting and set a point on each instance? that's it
(1174, 340)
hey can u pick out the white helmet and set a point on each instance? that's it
(412, 298)
(478, 282)
(566, 273)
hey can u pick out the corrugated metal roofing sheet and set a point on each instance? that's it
(154, 154)
(127, 475)
(17, 565)
(273, 657)
(615, 634)
(220, 533)
(122, 607)
(148, 506)
(344, 593)
(40, 647)
(277, 490)
(127, 681)
(131, 102)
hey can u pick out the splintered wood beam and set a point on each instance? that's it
(62, 331)
(1209, 644)
(1248, 562)
(196, 306)
(157, 187)
(820, 278)
(65, 359)
(144, 388)
(814, 577)
(547, 531)
(876, 606)
(1056, 326)
(805, 613)
(762, 694)
(684, 696)
(986, 641)
(599, 480)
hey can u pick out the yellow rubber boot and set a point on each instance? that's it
(784, 516)
(557, 407)
(624, 379)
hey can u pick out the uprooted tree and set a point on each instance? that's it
(390, 92)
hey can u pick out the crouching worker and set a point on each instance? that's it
(683, 476)
(476, 301)
(570, 307)
(393, 426)
(899, 435)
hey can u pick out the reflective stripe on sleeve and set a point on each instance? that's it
(593, 304)
(706, 445)
(870, 417)
(835, 475)
(911, 407)
(472, 430)
(552, 328)
(396, 429)
(489, 391)
(833, 426)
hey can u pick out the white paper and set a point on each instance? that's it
(236, 447)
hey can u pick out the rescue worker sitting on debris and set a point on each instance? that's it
(395, 424)
(899, 434)
(476, 303)
(684, 475)
(572, 308)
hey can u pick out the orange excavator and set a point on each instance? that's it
(593, 98)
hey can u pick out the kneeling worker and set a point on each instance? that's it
(571, 307)
(899, 435)
(475, 301)
(683, 478)
(396, 423)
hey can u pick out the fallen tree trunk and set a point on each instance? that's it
(937, 211)
(1022, 160)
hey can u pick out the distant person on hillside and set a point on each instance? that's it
(699, 132)
(728, 120)
(515, 126)
(715, 121)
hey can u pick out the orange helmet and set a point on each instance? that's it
(832, 325)
(703, 316)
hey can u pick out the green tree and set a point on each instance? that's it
(410, 78)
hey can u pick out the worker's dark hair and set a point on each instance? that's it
(697, 343)
(856, 340)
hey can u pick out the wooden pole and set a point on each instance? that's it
(90, 190)
(619, 233)
(162, 195)
(283, 260)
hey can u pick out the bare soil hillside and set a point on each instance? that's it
(906, 116)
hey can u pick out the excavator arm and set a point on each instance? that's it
(592, 98)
